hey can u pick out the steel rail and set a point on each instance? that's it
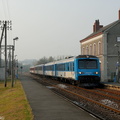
(85, 98)
(113, 92)
(90, 100)
(113, 97)
(102, 94)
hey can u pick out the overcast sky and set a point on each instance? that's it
(54, 27)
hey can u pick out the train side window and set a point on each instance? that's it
(73, 66)
(40, 68)
(50, 67)
(68, 67)
(61, 67)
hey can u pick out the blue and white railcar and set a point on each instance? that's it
(40, 69)
(81, 69)
(49, 69)
(32, 70)
(65, 68)
(36, 69)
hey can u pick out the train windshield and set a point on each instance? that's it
(87, 64)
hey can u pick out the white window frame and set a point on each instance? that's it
(118, 39)
(99, 48)
(94, 49)
(83, 50)
(87, 50)
(90, 49)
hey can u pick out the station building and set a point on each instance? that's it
(104, 43)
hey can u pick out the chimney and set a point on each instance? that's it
(119, 14)
(97, 26)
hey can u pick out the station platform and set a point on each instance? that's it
(112, 85)
(46, 105)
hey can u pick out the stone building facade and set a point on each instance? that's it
(104, 43)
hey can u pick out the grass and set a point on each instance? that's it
(13, 103)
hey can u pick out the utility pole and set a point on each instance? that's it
(9, 58)
(5, 53)
(4, 29)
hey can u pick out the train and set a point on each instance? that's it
(80, 70)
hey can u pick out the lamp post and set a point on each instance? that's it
(15, 66)
(13, 63)
(15, 56)
(118, 64)
(16, 38)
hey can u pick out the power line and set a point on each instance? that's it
(8, 10)
(4, 9)
(9, 18)
(6, 15)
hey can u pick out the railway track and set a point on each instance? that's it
(106, 92)
(103, 103)
(114, 92)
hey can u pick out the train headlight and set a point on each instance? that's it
(95, 72)
(81, 72)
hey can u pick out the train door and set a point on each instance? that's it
(43, 70)
(76, 69)
(55, 69)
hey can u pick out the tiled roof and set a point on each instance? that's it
(101, 30)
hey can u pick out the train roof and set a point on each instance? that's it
(67, 59)
(86, 56)
(37, 66)
(50, 63)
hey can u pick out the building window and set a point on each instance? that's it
(83, 50)
(94, 50)
(87, 50)
(90, 49)
(118, 39)
(99, 48)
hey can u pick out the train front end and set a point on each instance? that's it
(87, 70)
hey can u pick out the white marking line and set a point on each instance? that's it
(92, 115)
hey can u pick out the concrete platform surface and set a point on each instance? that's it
(46, 105)
(112, 83)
